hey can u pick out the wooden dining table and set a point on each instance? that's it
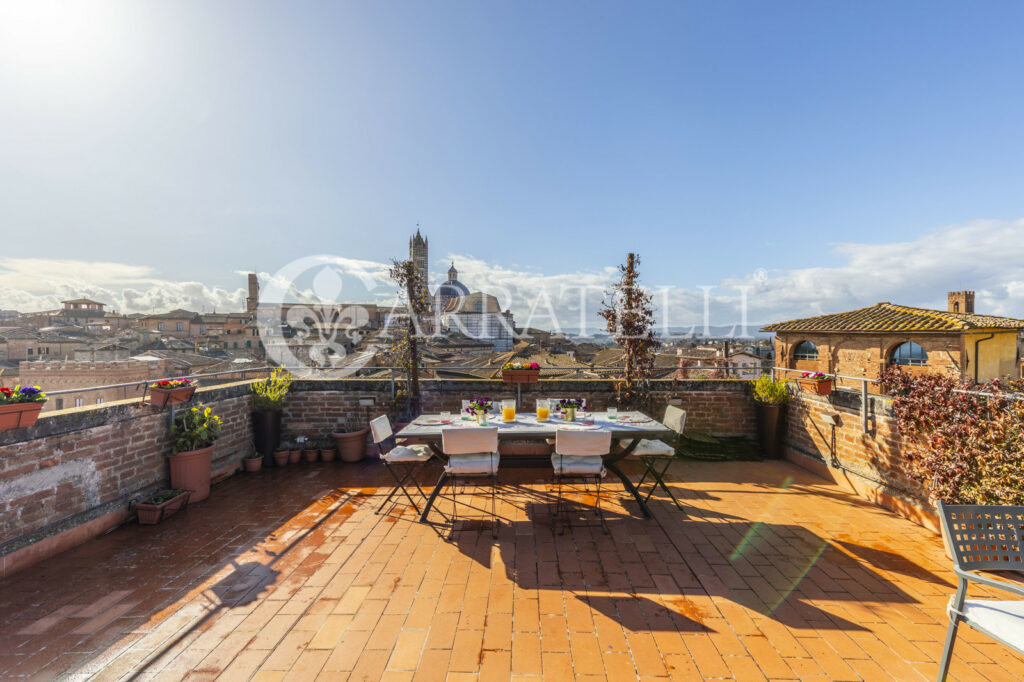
(627, 429)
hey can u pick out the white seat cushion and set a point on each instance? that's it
(653, 448)
(408, 453)
(577, 465)
(476, 464)
(1004, 619)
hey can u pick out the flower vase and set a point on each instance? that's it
(481, 418)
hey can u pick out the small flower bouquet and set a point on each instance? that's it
(171, 392)
(520, 372)
(480, 408)
(568, 406)
(818, 383)
(20, 406)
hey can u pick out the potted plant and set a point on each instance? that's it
(770, 398)
(281, 458)
(158, 507)
(194, 432)
(171, 392)
(520, 373)
(480, 408)
(268, 401)
(20, 406)
(817, 383)
(569, 407)
(351, 441)
(253, 462)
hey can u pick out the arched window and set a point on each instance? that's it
(908, 353)
(805, 350)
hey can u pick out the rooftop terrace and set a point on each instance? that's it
(772, 573)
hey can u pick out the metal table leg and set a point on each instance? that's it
(433, 496)
(612, 467)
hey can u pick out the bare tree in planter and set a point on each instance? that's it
(630, 319)
(405, 347)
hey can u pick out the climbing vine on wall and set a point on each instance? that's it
(961, 446)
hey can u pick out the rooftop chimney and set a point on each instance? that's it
(960, 301)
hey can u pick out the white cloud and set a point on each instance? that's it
(985, 256)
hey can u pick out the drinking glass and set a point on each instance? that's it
(543, 410)
(465, 410)
(508, 411)
(613, 413)
(446, 417)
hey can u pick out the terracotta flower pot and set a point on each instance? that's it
(310, 455)
(151, 514)
(816, 386)
(159, 397)
(252, 464)
(281, 458)
(294, 456)
(19, 415)
(351, 445)
(520, 376)
(191, 471)
(327, 455)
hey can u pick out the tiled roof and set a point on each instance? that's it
(888, 317)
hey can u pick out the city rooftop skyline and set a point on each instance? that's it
(822, 158)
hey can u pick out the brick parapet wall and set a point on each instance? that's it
(73, 474)
(869, 463)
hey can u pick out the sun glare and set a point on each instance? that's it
(39, 36)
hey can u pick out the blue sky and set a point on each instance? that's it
(163, 146)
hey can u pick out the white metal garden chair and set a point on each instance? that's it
(580, 455)
(657, 453)
(472, 454)
(403, 461)
(984, 538)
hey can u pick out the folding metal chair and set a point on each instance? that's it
(472, 454)
(984, 538)
(578, 455)
(403, 461)
(655, 453)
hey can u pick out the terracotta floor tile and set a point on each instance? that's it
(291, 573)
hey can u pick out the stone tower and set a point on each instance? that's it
(418, 256)
(960, 301)
(252, 301)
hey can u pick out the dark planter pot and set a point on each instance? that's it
(252, 464)
(294, 456)
(191, 471)
(310, 455)
(351, 445)
(150, 514)
(771, 427)
(327, 455)
(281, 458)
(266, 433)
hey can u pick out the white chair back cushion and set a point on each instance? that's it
(675, 418)
(476, 464)
(468, 441)
(380, 428)
(583, 443)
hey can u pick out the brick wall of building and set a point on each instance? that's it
(58, 376)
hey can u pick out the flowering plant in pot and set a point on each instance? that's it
(817, 383)
(267, 402)
(770, 399)
(520, 372)
(194, 432)
(20, 406)
(568, 406)
(480, 408)
(158, 507)
(171, 392)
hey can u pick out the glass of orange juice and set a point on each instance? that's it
(543, 410)
(508, 410)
